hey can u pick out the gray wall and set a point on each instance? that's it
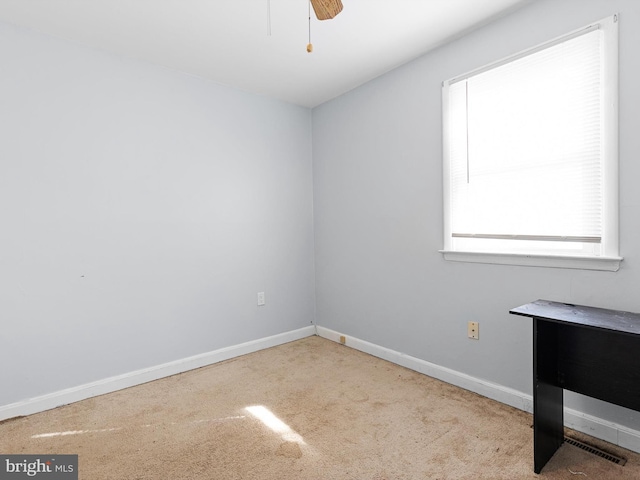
(141, 210)
(377, 156)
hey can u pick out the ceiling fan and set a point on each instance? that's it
(326, 9)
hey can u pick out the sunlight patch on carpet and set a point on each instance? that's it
(115, 429)
(74, 432)
(275, 424)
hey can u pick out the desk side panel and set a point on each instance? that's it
(548, 418)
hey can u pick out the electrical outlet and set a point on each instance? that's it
(473, 330)
(261, 300)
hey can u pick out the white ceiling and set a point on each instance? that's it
(228, 41)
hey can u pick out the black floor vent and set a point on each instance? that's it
(596, 451)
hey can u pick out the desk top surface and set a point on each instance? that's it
(619, 321)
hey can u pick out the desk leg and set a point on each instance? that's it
(548, 418)
(548, 429)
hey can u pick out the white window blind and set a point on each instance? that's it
(525, 146)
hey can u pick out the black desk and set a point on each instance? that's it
(592, 351)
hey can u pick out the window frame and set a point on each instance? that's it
(609, 259)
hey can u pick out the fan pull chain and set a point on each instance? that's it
(309, 45)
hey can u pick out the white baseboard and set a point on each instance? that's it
(108, 385)
(596, 427)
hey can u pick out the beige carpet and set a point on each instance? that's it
(322, 411)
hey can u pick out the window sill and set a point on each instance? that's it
(609, 264)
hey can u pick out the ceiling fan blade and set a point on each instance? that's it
(326, 9)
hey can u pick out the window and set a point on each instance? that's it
(530, 156)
